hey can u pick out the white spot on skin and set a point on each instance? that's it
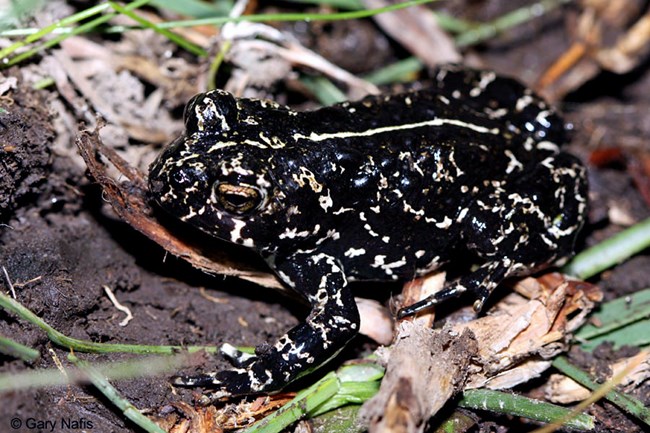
(513, 163)
(372, 233)
(446, 223)
(433, 264)
(354, 252)
(191, 214)
(221, 145)
(293, 210)
(462, 214)
(383, 181)
(452, 161)
(547, 241)
(331, 234)
(419, 254)
(262, 182)
(325, 201)
(236, 237)
(292, 233)
(387, 267)
(523, 102)
(486, 78)
(409, 209)
(495, 114)
(274, 142)
(379, 260)
(542, 118)
(397, 264)
(528, 144)
(254, 143)
(307, 176)
(548, 145)
(343, 210)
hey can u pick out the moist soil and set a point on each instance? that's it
(61, 245)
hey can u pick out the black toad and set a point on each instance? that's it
(386, 188)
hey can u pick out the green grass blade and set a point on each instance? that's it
(178, 40)
(57, 39)
(195, 8)
(351, 5)
(516, 405)
(286, 17)
(343, 420)
(635, 334)
(403, 70)
(130, 411)
(349, 384)
(89, 346)
(150, 366)
(297, 408)
(629, 404)
(617, 314)
(610, 252)
(453, 24)
(358, 383)
(323, 90)
(17, 350)
(40, 33)
(519, 16)
(93, 24)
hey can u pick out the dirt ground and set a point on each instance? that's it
(60, 243)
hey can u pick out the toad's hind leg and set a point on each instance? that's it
(520, 227)
(333, 321)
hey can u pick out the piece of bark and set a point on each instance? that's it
(520, 337)
(425, 368)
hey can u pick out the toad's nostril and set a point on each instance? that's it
(156, 186)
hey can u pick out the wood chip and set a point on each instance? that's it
(514, 343)
(425, 368)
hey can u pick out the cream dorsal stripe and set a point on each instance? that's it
(384, 129)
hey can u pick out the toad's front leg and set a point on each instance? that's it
(332, 322)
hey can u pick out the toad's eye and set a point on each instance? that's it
(238, 199)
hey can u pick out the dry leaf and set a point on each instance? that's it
(564, 390)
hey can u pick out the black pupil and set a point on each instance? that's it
(238, 200)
